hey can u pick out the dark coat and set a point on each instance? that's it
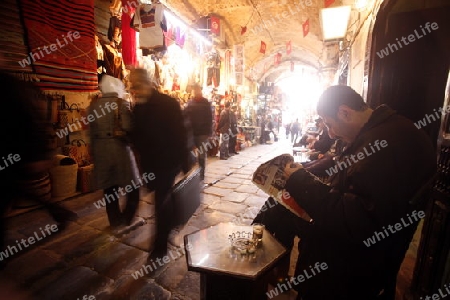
(233, 122)
(200, 115)
(159, 135)
(324, 142)
(112, 158)
(362, 198)
(224, 122)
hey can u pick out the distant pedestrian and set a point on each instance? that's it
(295, 129)
(288, 129)
(224, 129)
(199, 112)
(233, 130)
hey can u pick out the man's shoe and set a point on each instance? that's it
(223, 158)
(235, 152)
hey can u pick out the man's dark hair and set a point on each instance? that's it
(338, 95)
(227, 104)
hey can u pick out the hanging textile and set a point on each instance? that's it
(113, 62)
(180, 36)
(60, 36)
(12, 43)
(169, 35)
(213, 71)
(101, 70)
(115, 31)
(148, 20)
(128, 35)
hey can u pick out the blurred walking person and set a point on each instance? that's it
(113, 159)
(160, 140)
(199, 112)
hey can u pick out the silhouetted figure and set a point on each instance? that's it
(24, 148)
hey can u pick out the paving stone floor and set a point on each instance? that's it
(87, 259)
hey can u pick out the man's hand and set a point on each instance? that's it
(291, 168)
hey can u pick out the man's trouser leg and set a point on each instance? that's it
(202, 149)
(112, 206)
(163, 210)
(224, 139)
(131, 206)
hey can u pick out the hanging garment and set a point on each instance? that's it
(147, 20)
(169, 35)
(100, 59)
(115, 29)
(213, 71)
(180, 36)
(213, 77)
(113, 62)
(128, 36)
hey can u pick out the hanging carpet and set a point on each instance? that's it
(60, 37)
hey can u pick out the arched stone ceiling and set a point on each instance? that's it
(275, 22)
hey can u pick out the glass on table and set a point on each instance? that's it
(258, 230)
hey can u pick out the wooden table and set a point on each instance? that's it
(225, 275)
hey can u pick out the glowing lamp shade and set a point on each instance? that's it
(334, 22)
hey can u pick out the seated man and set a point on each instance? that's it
(322, 143)
(385, 165)
(283, 224)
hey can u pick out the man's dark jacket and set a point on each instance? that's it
(233, 122)
(224, 121)
(159, 134)
(200, 114)
(362, 198)
(324, 142)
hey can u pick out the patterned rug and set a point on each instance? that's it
(60, 38)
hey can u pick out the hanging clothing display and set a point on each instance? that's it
(128, 35)
(113, 61)
(180, 36)
(115, 31)
(100, 59)
(169, 36)
(213, 68)
(149, 21)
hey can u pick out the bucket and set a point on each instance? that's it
(33, 191)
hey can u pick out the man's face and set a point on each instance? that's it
(337, 128)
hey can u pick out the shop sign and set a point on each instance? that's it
(239, 64)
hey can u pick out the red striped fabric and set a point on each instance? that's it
(60, 36)
(12, 46)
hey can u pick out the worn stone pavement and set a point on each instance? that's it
(87, 259)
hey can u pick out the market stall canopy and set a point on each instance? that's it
(277, 35)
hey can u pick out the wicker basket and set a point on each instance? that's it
(33, 191)
(63, 178)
